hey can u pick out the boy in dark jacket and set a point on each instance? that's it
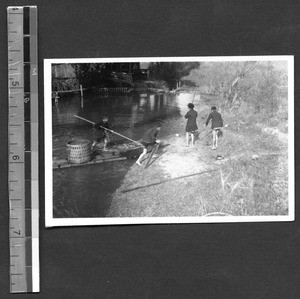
(104, 134)
(149, 140)
(191, 125)
(216, 125)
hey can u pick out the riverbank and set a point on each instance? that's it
(191, 181)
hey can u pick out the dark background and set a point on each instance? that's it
(243, 260)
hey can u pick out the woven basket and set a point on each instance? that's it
(79, 151)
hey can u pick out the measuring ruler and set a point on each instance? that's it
(23, 149)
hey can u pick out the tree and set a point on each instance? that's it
(171, 72)
(257, 84)
(89, 74)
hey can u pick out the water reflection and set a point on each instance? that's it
(120, 109)
(152, 102)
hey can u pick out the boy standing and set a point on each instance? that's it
(104, 134)
(216, 125)
(148, 141)
(191, 125)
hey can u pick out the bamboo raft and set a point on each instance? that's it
(62, 163)
(81, 154)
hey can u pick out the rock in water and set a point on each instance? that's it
(254, 157)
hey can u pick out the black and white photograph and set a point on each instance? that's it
(169, 140)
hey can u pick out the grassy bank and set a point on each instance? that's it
(190, 181)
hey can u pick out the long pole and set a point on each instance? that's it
(81, 96)
(84, 119)
(205, 135)
(91, 122)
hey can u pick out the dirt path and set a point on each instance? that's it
(180, 160)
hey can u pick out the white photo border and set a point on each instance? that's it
(51, 222)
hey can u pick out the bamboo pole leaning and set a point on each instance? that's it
(113, 132)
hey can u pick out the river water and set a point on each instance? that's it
(86, 191)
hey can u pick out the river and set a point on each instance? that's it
(86, 191)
